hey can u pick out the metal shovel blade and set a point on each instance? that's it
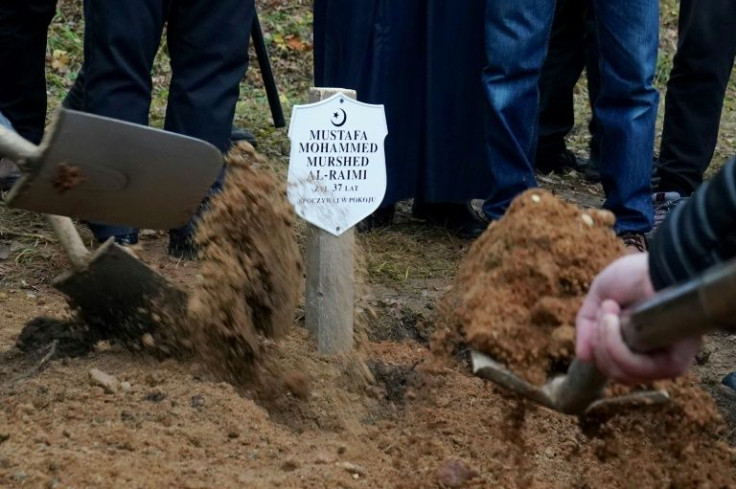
(118, 294)
(114, 172)
(577, 392)
(487, 368)
(689, 309)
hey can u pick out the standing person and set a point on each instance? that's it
(23, 37)
(207, 43)
(23, 30)
(697, 86)
(421, 59)
(626, 107)
(571, 48)
(697, 236)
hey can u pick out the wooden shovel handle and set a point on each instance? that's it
(694, 308)
(15, 147)
(698, 306)
(70, 240)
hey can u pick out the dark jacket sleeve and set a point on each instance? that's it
(698, 234)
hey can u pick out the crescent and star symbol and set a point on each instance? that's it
(339, 118)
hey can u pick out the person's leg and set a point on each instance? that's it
(592, 73)
(319, 45)
(120, 43)
(378, 48)
(450, 167)
(626, 108)
(208, 45)
(74, 98)
(23, 31)
(695, 92)
(345, 41)
(517, 32)
(562, 69)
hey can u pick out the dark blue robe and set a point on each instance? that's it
(422, 59)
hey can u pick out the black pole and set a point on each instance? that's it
(269, 82)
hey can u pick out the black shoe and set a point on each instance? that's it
(122, 239)
(183, 247)
(240, 134)
(382, 217)
(9, 174)
(460, 218)
(592, 172)
(6, 183)
(559, 162)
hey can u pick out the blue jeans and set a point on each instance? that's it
(517, 33)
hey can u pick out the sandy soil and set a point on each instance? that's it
(393, 415)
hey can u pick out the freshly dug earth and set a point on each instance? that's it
(252, 269)
(248, 287)
(418, 426)
(515, 298)
(517, 291)
(410, 422)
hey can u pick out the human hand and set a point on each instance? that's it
(598, 327)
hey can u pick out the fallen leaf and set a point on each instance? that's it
(60, 61)
(295, 43)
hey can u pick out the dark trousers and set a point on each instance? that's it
(23, 28)
(208, 47)
(571, 48)
(695, 92)
(422, 60)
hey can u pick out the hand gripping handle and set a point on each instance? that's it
(693, 308)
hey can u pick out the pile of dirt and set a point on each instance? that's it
(420, 426)
(515, 298)
(245, 294)
(113, 418)
(252, 269)
(517, 290)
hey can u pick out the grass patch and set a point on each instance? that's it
(407, 252)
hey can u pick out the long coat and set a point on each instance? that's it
(423, 60)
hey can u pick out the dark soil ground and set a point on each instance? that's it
(391, 415)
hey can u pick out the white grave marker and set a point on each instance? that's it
(337, 170)
(337, 177)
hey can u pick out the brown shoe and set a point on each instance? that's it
(634, 242)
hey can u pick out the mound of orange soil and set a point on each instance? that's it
(515, 298)
(517, 290)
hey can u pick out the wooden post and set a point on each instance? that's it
(330, 275)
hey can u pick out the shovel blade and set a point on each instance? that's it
(114, 172)
(119, 295)
(487, 368)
